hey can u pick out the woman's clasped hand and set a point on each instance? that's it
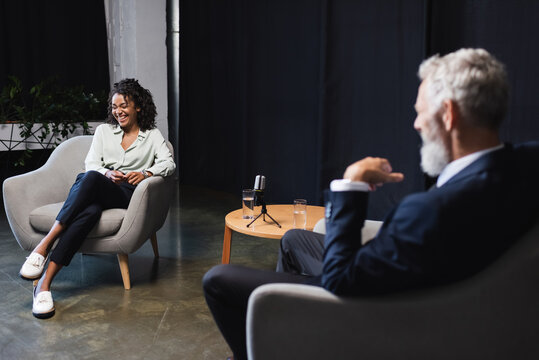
(132, 177)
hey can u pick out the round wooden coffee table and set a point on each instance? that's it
(266, 229)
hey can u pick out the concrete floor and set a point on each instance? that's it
(163, 316)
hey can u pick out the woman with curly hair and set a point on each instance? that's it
(124, 152)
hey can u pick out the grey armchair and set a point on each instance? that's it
(33, 200)
(492, 315)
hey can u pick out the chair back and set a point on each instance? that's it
(68, 158)
(491, 315)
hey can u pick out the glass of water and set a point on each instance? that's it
(300, 214)
(248, 202)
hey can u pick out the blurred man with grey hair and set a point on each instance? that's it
(485, 198)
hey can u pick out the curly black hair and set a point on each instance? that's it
(133, 91)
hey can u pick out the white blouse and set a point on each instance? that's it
(148, 152)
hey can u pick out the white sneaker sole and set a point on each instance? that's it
(44, 315)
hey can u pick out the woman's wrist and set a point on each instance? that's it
(146, 174)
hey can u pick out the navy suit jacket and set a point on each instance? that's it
(438, 236)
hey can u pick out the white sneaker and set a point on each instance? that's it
(43, 307)
(33, 266)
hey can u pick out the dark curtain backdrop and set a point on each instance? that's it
(510, 31)
(297, 90)
(63, 38)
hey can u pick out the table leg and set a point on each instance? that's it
(227, 242)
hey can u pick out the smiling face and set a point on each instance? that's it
(124, 111)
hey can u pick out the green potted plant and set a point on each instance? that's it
(46, 114)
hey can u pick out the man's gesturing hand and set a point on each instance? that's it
(374, 171)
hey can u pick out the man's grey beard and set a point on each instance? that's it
(434, 155)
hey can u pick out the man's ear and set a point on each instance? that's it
(449, 115)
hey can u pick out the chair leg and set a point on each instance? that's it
(123, 260)
(154, 245)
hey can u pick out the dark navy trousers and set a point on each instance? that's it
(91, 193)
(301, 252)
(227, 287)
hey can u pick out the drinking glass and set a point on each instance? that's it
(300, 214)
(248, 202)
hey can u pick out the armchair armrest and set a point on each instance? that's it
(296, 322)
(286, 321)
(48, 184)
(146, 213)
(21, 196)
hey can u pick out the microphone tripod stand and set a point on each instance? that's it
(264, 212)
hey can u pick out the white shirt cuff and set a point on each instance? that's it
(348, 185)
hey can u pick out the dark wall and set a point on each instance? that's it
(510, 31)
(372, 52)
(63, 38)
(297, 90)
(249, 94)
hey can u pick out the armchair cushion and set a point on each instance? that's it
(42, 218)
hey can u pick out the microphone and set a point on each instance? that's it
(260, 183)
(259, 187)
